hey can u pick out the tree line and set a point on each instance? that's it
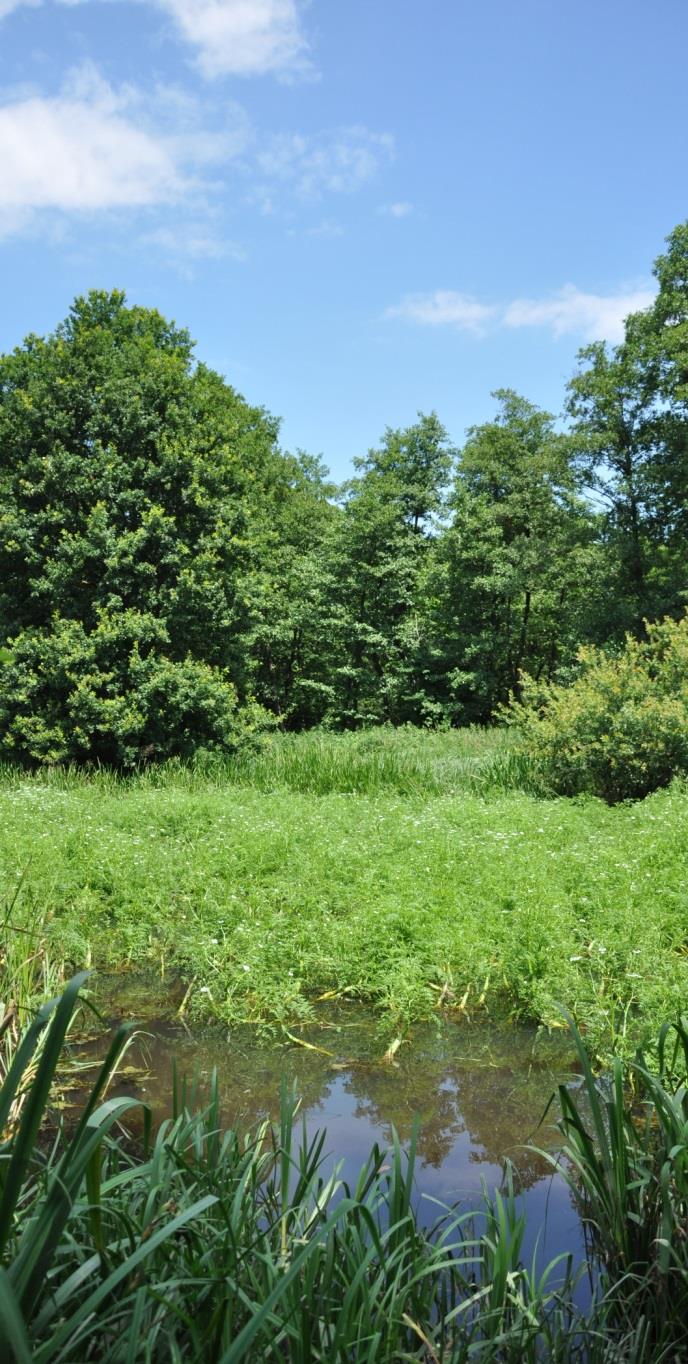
(171, 580)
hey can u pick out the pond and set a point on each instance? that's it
(479, 1090)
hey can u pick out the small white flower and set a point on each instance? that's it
(204, 990)
(245, 967)
(214, 942)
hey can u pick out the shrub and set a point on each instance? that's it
(110, 697)
(620, 729)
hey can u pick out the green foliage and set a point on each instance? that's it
(293, 639)
(112, 695)
(624, 1156)
(165, 570)
(402, 868)
(377, 553)
(134, 488)
(28, 974)
(509, 577)
(406, 762)
(620, 728)
(199, 1244)
(204, 1245)
(629, 405)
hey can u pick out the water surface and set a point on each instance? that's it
(478, 1089)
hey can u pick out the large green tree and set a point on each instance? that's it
(296, 616)
(135, 491)
(629, 405)
(377, 552)
(510, 578)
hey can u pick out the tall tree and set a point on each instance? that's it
(296, 616)
(629, 406)
(378, 551)
(509, 579)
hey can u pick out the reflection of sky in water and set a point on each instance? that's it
(479, 1091)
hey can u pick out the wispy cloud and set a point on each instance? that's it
(228, 37)
(92, 147)
(400, 209)
(193, 241)
(339, 161)
(596, 317)
(445, 308)
(329, 227)
(569, 311)
(7, 7)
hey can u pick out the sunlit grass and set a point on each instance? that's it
(415, 879)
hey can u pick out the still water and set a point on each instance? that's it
(478, 1089)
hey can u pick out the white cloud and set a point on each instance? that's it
(76, 152)
(241, 37)
(571, 311)
(445, 308)
(595, 317)
(400, 209)
(229, 37)
(92, 147)
(338, 162)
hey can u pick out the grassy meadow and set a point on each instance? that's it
(420, 871)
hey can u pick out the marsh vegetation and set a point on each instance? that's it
(200, 1244)
(421, 873)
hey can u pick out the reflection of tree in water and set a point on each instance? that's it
(486, 1085)
(497, 1104)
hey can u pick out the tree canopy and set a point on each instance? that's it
(134, 491)
(171, 580)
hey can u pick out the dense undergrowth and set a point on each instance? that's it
(409, 869)
(202, 1245)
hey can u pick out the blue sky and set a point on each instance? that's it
(360, 208)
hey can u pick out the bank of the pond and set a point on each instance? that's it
(266, 900)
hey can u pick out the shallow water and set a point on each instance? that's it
(478, 1089)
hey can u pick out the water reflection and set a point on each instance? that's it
(479, 1090)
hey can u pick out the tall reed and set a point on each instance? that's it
(202, 1245)
(625, 1155)
(29, 973)
(190, 1243)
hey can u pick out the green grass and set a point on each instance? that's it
(402, 868)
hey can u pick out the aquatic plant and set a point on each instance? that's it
(265, 897)
(196, 1244)
(28, 973)
(625, 1156)
(190, 1243)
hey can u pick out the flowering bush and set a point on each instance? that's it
(620, 728)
